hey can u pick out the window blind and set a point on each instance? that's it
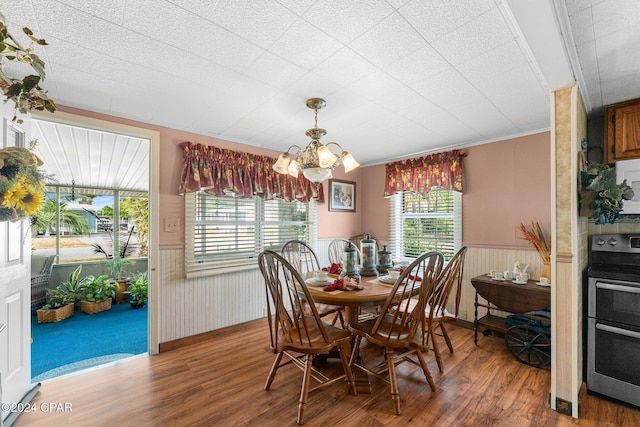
(426, 222)
(225, 233)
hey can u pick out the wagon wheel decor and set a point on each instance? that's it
(529, 345)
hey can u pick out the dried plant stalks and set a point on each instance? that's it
(535, 236)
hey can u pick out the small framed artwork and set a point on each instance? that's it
(630, 170)
(342, 196)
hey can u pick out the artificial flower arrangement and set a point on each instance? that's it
(21, 186)
(536, 238)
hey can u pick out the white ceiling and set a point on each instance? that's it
(401, 77)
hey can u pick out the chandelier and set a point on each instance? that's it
(316, 161)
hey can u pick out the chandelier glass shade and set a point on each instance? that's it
(316, 161)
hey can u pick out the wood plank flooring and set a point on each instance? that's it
(220, 383)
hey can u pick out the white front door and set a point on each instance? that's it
(15, 291)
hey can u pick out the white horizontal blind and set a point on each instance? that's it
(225, 234)
(427, 222)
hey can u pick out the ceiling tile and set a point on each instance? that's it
(484, 33)
(502, 59)
(344, 67)
(196, 35)
(582, 26)
(436, 18)
(297, 6)
(346, 20)
(259, 21)
(614, 15)
(418, 65)
(274, 70)
(388, 41)
(305, 46)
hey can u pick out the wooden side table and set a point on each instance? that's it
(506, 296)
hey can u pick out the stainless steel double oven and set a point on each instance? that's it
(613, 340)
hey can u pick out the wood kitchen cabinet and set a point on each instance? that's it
(622, 134)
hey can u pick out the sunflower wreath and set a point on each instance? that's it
(21, 186)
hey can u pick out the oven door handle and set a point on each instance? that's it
(614, 330)
(620, 288)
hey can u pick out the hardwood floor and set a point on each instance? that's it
(220, 383)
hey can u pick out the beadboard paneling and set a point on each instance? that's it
(192, 306)
(481, 260)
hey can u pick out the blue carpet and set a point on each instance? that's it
(83, 340)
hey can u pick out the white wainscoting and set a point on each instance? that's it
(192, 306)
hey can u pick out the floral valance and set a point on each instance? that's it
(421, 174)
(220, 171)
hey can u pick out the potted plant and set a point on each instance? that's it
(58, 306)
(97, 293)
(139, 290)
(117, 266)
(603, 198)
(73, 286)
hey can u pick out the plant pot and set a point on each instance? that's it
(55, 314)
(121, 295)
(546, 270)
(95, 307)
(587, 203)
(136, 304)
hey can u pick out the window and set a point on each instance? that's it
(224, 234)
(426, 222)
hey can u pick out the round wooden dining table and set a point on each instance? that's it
(374, 293)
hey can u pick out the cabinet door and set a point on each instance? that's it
(627, 132)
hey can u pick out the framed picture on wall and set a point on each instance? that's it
(342, 196)
(630, 170)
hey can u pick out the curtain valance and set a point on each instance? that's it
(421, 174)
(219, 171)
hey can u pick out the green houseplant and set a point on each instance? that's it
(73, 285)
(97, 293)
(117, 266)
(139, 290)
(603, 198)
(58, 306)
(25, 92)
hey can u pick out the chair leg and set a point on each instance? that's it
(446, 337)
(274, 369)
(342, 323)
(304, 393)
(343, 349)
(395, 395)
(425, 369)
(436, 350)
(355, 351)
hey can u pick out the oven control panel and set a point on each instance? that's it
(625, 243)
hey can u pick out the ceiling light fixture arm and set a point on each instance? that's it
(316, 161)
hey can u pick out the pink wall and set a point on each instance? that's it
(506, 182)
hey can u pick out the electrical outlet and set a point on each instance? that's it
(171, 225)
(463, 314)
